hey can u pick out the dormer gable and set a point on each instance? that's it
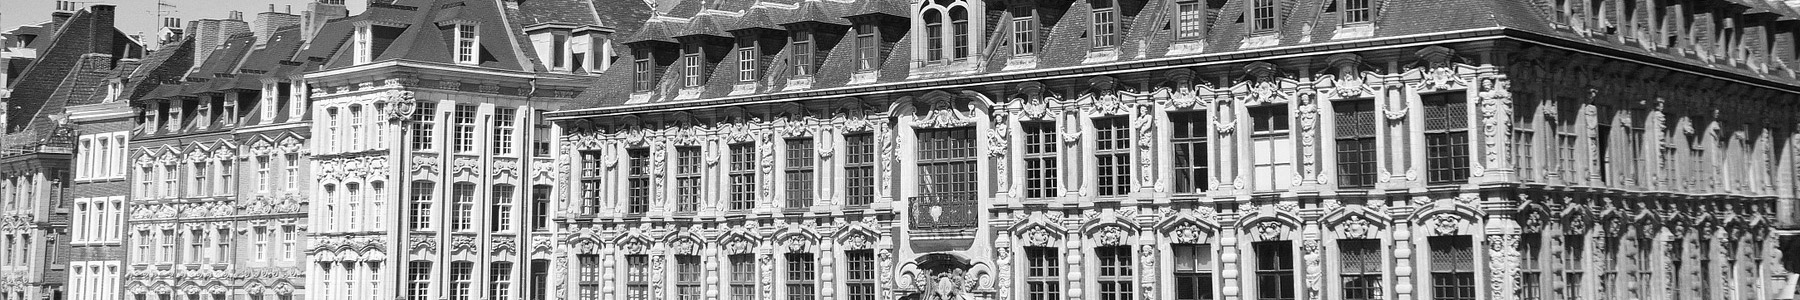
(465, 41)
(874, 34)
(702, 47)
(571, 48)
(372, 38)
(755, 48)
(809, 42)
(652, 52)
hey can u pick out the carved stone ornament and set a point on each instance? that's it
(943, 114)
(1187, 234)
(1356, 227)
(1037, 236)
(684, 246)
(1270, 230)
(401, 104)
(1348, 81)
(740, 245)
(1111, 236)
(1446, 224)
(799, 245)
(857, 241)
(634, 246)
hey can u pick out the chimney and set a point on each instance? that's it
(101, 30)
(267, 22)
(318, 12)
(58, 18)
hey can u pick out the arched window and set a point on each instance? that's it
(959, 20)
(934, 35)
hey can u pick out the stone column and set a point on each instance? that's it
(827, 274)
(1403, 260)
(1228, 264)
(1073, 256)
(710, 259)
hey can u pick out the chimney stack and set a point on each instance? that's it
(100, 28)
(317, 13)
(267, 22)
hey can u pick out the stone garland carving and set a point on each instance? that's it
(944, 114)
(1315, 270)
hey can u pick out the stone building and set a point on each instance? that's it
(431, 165)
(51, 65)
(1172, 149)
(198, 227)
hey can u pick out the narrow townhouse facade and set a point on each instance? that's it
(272, 185)
(432, 168)
(1172, 149)
(54, 65)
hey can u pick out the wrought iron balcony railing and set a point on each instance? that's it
(945, 211)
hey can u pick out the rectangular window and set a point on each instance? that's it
(540, 280)
(1531, 274)
(1446, 138)
(1453, 268)
(1262, 15)
(803, 53)
(1116, 272)
(800, 276)
(171, 173)
(860, 280)
(1193, 271)
(639, 181)
(499, 280)
(641, 75)
(746, 63)
(355, 130)
(166, 253)
(293, 172)
(588, 280)
(687, 277)
(687, 179)
(637, 277)
(799, 173)
(462, 197)
(1564, 155)
(1274, 270)
(743, 277)
(421, 205)
(418, 275)
(1024, 31)
(540, 208)
(502, 208)
(462, 277)
(503, 130)
(424, 123)
(1573, 269)
(1355, 143)
(592, 177)
(290, 239)
(947, 162)
(1356, 11)
(364, 51)
(934, 36)
(1192, 172)
(1608, 267)
(1647, 267)
(743, 176)
(227, 173)
(465, 128)
(859, 168)
(1272, 147)
(541, 141)
(1104, 19)
(1360, 268)
(1041, 168)
(1524, 137)
(868, 47)
(558, 41)
(200, 185)
(1190, 20)
(959, 24)
(690, 66)
(1112, 156)
(466, 49)
(259, 243)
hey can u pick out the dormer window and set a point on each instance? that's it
(934, 35)
(113, 89)
(1262, 16)
(364, 48)
(559, 49)
(467, 41)
(641, 68)
(868, 45)
(803, 53)
(1191, 19)
(747, 57)
(959, 21)
(1356, 11)
(1024, 31)
(691, 71)
(1104, 22)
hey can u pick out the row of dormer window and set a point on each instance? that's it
(947, 28)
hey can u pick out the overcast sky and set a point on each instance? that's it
(136, 16)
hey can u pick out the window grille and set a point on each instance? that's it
(691, 72)
(859, 168)
(1112, 155)
(424, 121)
(540, 280)
(1193, 271)
(1573, 268)
(1452, 268)
(687, 179)
(934, 35)
(687, 277)
(860, 279)
(588, 278)
(743, 277)
(499, 280)
(637, 277)
(592, 178)
(418, 275)
(463, 198)
(799, 173)
(466, 49)
(503, 130)
(465, 128)
(1356, 143)
(1041, 172)
(1116, 272)
(1190, 20)
(642, 77)
(1274, 270)
(800, 276)
(1524, 137)
(461, 279)
(421, 205)
(743, 176)
(959, 23)
(638, 181)
(1446, 138)
(946, 160)
(746, 59)
(1360, 269)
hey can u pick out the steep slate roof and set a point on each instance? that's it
(425, 37)
(63, 57)
(1147, 35)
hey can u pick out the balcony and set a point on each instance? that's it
(945, 216)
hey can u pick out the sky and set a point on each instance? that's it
(136, 16)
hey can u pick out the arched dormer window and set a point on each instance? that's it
(934, 34)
